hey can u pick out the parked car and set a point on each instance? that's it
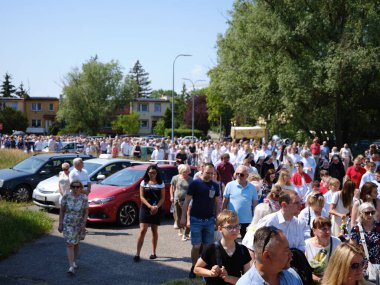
(190, 138)
(68, 147)
(47, 194)
(19, 181)
(117, 198)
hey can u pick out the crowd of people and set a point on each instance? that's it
(280, 200)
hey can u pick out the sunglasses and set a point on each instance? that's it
(65, 169)
(152, 172)
(232, 228)
(76, 186)
(372, 213)
(358, 265)
(240, 174)
(272, 229)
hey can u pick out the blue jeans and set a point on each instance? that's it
(202, 230)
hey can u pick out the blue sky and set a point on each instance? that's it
(42, 40)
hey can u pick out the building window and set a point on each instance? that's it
(157, 107)
(144, 124)
(143, 108)
(51, 107)
(36, 107)
(14, 106)
(36, 123)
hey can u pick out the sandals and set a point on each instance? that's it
(152, 256)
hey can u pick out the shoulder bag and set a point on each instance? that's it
(372, 269)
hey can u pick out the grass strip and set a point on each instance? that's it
(10, 157)
(19, 226)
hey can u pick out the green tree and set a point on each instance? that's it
(7, 88)
(12, 120)
(160, 93)
(141, 77)
(303, 65)
(127, 124)
(159, 128)
(91, 96)
(21, 92)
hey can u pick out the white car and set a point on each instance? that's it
(47, 194)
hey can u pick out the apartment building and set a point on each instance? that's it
(150, 111)
(40, 111)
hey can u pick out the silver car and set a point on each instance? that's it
(47, 194)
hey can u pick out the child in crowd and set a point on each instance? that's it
(334, 186)
(224, 262)
(325, 178)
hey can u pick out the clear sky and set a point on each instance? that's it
(43, 40)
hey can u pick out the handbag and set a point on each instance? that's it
(372, 269)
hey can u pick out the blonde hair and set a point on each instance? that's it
(339, 265)
(334, 181)
(281, 180)
(182, 168)
(227, 216)
(315, 199)
(253, 177)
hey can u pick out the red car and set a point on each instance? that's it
(117, 198)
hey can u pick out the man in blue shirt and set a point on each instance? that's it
(272, 264)
(241, 196)
(204, 194)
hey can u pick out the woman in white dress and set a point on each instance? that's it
(340, 207)
(346, 155)
(63, 180)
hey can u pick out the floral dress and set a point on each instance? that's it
(372, 239)
(73, 220)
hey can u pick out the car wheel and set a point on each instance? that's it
(127, 215)
(22, 193)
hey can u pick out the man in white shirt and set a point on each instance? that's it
(377, 182)
(79, 173)
(285, 220)
(215, 155)
(158, 153)
(369, 176)
(125, 147)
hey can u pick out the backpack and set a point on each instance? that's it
(301, 265)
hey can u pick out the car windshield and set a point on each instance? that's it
(30, 165)
(124, 178)
(90, 167)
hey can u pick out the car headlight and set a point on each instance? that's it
(99, 201)
(1, 182)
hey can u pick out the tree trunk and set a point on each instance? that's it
(338, 120)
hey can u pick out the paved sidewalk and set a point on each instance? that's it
(105, 258)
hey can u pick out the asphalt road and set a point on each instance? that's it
(106, 258)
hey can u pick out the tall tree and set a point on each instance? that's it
(12, 120)
(7, 88)
(303, 65)
(138, 74)
(127, 124)
(92, 94)
(21, 92)
(200, 114)
(161, 93)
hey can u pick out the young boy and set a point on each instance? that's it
(334, 185)
(226, 261)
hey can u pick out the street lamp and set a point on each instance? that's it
(192, 109)
(173, 93)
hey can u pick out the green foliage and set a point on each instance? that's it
(183, 133)
(301, 65)
(7, 88)
(21, 92)
(12, 120)
(127, 124)
(160, 93)
(138, 74)
(54, 128)
(19, 226)
(159, 128)
(92, 94)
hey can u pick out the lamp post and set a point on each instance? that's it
(173, 92)
(192, 109)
